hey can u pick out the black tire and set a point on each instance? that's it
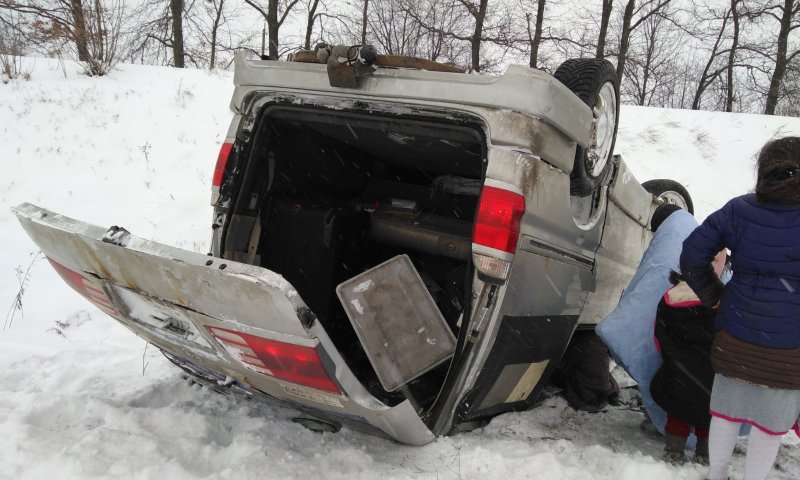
(670, 191)
(587, 77)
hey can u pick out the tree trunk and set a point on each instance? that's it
(732, 55)
(537, 34)
(705, 78)
(99, 37)
(312, 15)
(272, 28)
(176, 9)
(476, 37)
(646, 68)
(601, 39)
(214, 30)
(624, 41)
(364, 23)
(780, 58)
(79, 33)
(273, 23)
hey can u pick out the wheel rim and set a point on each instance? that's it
(674, 198)
(605, 114)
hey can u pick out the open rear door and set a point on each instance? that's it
(131, 279)
(239, 320)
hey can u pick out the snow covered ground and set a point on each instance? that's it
(81, 397)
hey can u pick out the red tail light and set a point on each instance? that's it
(286, 361)
(497, 222)
(89, 289)
(222, 160)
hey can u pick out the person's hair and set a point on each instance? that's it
(779, 171)
(675, 277)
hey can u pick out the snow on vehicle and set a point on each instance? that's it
(404, 251)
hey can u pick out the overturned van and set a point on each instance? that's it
(397, 246)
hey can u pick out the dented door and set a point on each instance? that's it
(241, 321)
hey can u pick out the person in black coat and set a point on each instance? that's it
(684, 332)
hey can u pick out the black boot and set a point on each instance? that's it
(673, 452)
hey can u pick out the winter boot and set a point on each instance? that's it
(701, 451)
(673, 452)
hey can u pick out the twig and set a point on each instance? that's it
(144, 365)
(22, 278)
(59, 332)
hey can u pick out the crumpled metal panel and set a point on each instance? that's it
(227, 291)
(397, 321)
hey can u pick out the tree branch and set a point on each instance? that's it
(286, 12)
(655, 11)
(257, 7)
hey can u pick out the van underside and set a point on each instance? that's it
(327, 194)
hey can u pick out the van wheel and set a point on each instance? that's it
(670, 191)
(594, 81)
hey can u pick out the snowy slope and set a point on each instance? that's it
(80, 397)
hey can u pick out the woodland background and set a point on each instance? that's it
(723, 55)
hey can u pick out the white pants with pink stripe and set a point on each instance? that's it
(762, 449)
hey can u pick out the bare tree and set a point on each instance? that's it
(12, 47)
(625, 37)
(633, 17)
(789, 104)
(218, 20)
(79, 31)
(475, 12)
(536, 39)
(710, 72)
(104, 25)
(57, 19)
(176, 11)
(202, 30)
(154, 39)
(398, 27)
(720, 28)
(275, 13)
(729, 87)
(605, 17)
(469, 22)
(772, 53)
(478, 12)
(541, 33)
(394, 30)
(93, 29)
(364, 17)
(311, 18)
(205, 35)
(653, 62)
(787, 12)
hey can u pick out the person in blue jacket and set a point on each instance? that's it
(756, 349)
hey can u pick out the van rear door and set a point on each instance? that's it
(242, 321)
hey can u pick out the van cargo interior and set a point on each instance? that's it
(327, 194)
